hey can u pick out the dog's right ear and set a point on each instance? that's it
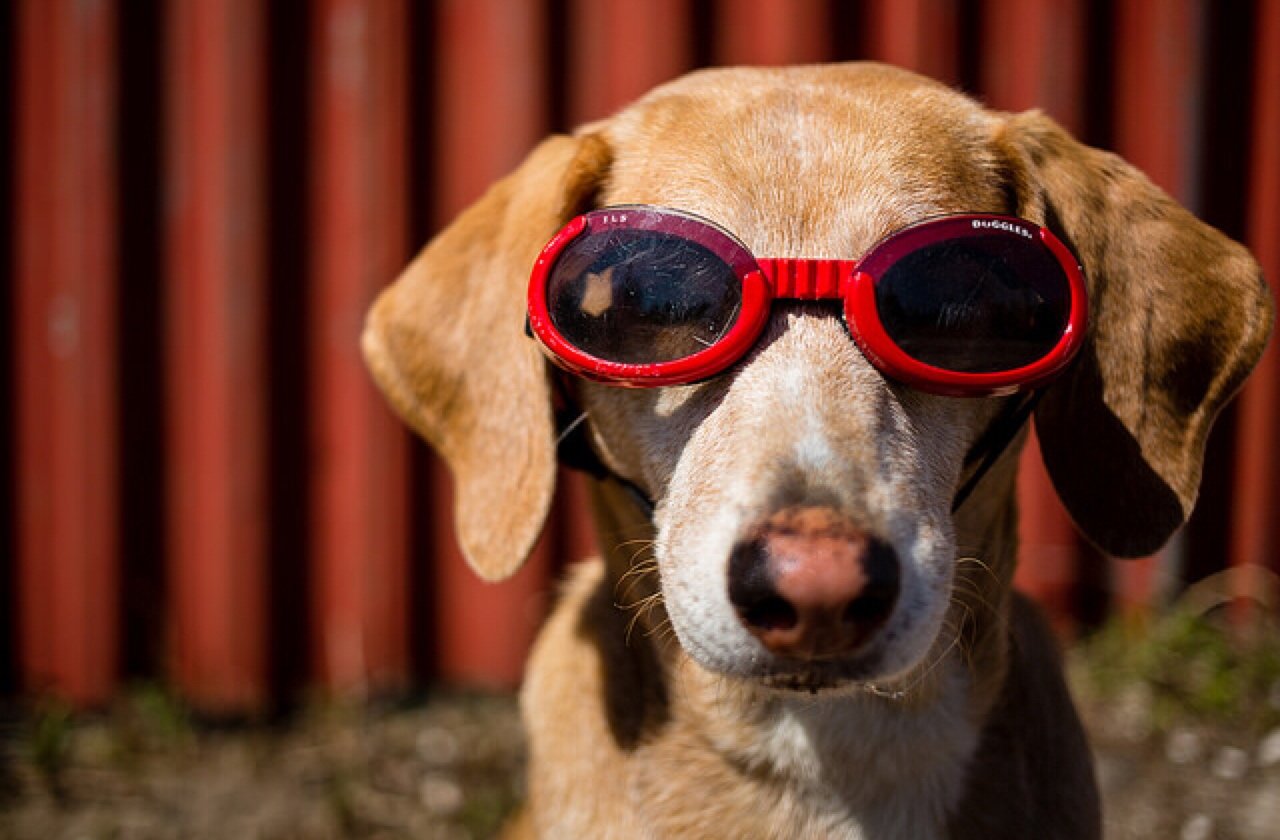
(446, 343)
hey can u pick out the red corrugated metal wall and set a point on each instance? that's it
(199, 482)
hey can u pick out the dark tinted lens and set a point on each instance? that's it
(975, 305)
(639, 297)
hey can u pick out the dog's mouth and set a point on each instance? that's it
(804, 682)
(863, 676)
(814, 675)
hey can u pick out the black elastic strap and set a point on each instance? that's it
(573, 447)
(988, 448)
(574, 451)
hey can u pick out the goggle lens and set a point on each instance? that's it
(980, 304)
(641, 296)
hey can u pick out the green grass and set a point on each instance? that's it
(1199, 666)
(49, 741)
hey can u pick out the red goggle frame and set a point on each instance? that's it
(959, 305)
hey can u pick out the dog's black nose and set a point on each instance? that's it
(808, 583)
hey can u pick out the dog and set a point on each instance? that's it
(797, 628)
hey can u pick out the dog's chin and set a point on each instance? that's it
(857, 677)
(858, 672)
(812, 682)
(824, 676)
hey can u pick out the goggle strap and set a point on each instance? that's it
(988, 448)
(573, 447)
(806, 279)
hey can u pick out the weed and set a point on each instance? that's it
(1198, 666)
(49, 743)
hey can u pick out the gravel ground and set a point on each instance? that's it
(1192, 782)
(1185, 750)
(448, 767)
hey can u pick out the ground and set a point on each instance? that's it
(1184, 716)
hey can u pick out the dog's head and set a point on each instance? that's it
(803, 501)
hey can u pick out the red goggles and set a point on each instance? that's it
(964, 305)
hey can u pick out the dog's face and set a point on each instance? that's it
(803, 502)
(804, 437)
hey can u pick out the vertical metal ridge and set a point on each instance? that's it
(65, 282)
(359, 223)
(215, 276)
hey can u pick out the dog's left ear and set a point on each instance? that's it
(1178, 317)
(446, 344)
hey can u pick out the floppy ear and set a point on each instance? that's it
(446, 344)
(1178, 317)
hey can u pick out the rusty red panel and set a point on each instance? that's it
(1255, 529)
(1159, 95)
(215, 344)
(623, 48)
(359, 221)
(484, 630)
(1048, 547)
(491, 98)
(1157, 104)
(489, 115)
(1033, 57)
(772, 31)
(575, 532)
(920, 35)
(65, 287)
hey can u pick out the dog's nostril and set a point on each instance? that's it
(749, 582)
(870, 607)
(772, 613)
(879, 593)
(752, 592)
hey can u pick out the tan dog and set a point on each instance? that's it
(655, 707)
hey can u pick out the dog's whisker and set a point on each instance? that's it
(631, 625)
(639, 575)
(631, 581)
(647, 541)
(965, 562)
(652, 560)
(955, 627)
(641, 609)
(915, 680)
(638, 563)
(624, 598)
(932, 666)
(639, 569)
(639, 604)
(971, 592)
(662, 632)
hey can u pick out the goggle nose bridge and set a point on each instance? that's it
(807, 279)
